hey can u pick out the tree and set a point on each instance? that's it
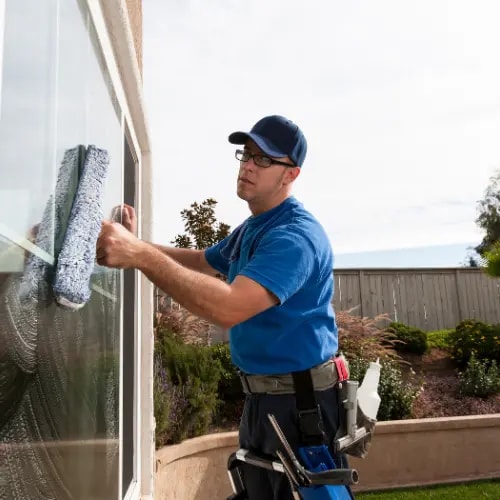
(201, 226)
(489, 215)
(472, 259)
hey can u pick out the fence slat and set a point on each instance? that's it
(403, 305)
(446, 301)
(436, 291)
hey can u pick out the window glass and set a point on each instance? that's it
(59, 369)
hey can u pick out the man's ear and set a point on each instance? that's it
(293, 173)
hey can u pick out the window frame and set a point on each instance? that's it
(112, 25)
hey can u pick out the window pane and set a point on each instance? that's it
(59, 369)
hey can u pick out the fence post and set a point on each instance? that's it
(361, 292)
(459, 302)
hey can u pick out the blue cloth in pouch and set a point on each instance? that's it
(318, 459)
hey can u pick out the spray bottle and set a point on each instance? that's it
(368, 398)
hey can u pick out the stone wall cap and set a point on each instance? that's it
(441, 423)
(192, 446)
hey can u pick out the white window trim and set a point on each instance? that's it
(111, 20)
(136, 474)
(2, 25)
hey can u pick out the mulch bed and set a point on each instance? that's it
(440, 396)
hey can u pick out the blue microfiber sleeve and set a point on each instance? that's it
(50, 230)
(76, 260)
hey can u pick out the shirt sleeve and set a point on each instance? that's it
(282, 263)
(215, 258)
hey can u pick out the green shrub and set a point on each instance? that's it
(409, 339)
(195, 374)
(169, 405)
(473, 336)
(396, 395)
(229, 384)
(481, 378)
(439, 339)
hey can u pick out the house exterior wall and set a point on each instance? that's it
(134, 8)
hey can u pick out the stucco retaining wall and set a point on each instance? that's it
(403, 453)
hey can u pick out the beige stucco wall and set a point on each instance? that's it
(195, 469)
(134, 8)
(431, 451)
(404, 453)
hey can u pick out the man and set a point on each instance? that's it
(276, 301)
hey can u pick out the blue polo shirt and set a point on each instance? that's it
(287, 251)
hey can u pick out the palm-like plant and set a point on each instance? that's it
(490, 262)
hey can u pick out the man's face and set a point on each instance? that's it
(257, 183)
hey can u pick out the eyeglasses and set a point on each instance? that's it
(260, 160)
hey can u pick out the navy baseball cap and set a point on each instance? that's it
(276, 136)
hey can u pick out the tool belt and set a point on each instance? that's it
(355, 430)
(323, 376)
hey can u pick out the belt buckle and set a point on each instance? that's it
(311, 423)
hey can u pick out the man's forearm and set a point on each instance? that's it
(205, 296)
(187, 257)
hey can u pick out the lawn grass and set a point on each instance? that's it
(482, 489)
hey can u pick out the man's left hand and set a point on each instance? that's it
(117, 247)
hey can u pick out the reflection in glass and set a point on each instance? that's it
(59, 369)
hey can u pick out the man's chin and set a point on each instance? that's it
(242, 195)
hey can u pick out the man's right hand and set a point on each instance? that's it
(117, 247)
(125, 215)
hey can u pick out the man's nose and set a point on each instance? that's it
(248, 165)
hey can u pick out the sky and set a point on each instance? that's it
(399, 102)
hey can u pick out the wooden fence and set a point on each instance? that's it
(430, 299)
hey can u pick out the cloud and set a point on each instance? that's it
(400, 103)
